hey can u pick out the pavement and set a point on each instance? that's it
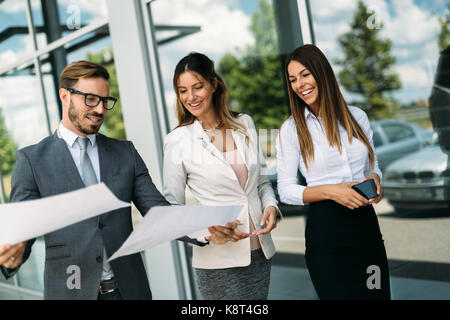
(417, 245)
(293, 283)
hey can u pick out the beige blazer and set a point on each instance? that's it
(191, 159)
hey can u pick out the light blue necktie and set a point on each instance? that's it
(87, 170)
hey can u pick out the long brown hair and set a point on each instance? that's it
(204, 66)
(332, 106)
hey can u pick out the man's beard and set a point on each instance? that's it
(75, 118)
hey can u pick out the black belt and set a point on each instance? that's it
(108, 286)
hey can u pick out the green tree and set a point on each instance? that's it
(254, 75)
(7, 148)
(366, 65)
(444, 33)
(113, 126)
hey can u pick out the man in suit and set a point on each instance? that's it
(75, 156)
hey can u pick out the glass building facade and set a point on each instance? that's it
(140, 43)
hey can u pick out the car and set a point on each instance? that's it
(287, 210)
(420, 180)
(393, 139)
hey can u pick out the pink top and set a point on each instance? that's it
(240, 169)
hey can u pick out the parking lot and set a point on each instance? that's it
(417, 243)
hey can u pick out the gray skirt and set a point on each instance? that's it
(238, 283)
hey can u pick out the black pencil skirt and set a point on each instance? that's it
(345, 253)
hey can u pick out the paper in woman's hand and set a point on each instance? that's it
(165, 223)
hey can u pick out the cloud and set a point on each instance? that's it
(93, 7)
(223, 29)
(411, 25)
(7, 57)
(22, 109)
(328, 10)
(17, 6)
(412, 30)
(413, 76)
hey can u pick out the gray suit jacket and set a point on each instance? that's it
(47, 169)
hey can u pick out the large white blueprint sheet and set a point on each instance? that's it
(21, 221)
(164, 223)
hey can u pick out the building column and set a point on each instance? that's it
(137, 66)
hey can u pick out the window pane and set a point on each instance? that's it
(51, 92)
(58, 18)
(22, 123)
(23, 116)
(389, 58)
(15, 42)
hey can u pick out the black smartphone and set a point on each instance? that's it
(367, 189)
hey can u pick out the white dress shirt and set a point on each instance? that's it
(92, 151)
(329, 166)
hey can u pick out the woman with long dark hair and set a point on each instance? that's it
(214, 151)
(331, 144)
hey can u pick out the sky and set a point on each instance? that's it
(412, 26)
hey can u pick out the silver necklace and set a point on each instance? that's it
(214, 130)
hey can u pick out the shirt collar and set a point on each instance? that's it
(308, 113)
(70, 137)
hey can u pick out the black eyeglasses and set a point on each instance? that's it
(92, 100)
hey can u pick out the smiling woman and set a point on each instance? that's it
(405, 41)
(228, 173)
(196, 94)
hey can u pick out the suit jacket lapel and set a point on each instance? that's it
(105, 158)
(65, 164)
(243, 149)
(200, 134)
(239, 140)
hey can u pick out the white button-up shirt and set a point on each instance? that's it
(329, 166)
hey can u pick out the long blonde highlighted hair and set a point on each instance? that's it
(332, 107)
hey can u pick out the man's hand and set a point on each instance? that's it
(376, 178)
(269, 217)
(11, 256)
